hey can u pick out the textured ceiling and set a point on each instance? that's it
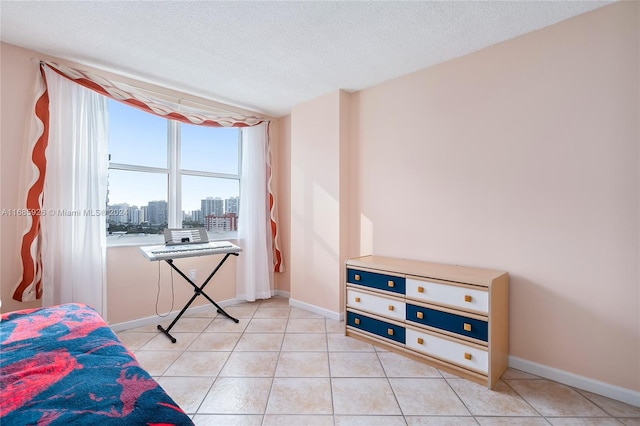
(269, 56)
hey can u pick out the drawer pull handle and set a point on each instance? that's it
(467, 326)
(391, 283)
(357, 299)
(420, 315)
(467, 356)
(357, 321)
(467, 298)
(420, 289)
(390, 331)
(357, 277)
(391, 308)
(420, 341)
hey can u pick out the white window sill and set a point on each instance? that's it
(156, 239)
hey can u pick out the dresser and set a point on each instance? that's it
(455, 318)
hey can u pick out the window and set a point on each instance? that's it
(163, 173)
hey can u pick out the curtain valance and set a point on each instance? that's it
(133, 97)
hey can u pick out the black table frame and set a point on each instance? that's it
(198, 291)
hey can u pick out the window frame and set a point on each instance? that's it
(174, 172)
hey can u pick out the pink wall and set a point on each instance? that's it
(318, 202)
(134, 283)
(522, 157)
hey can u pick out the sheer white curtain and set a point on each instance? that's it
(74, 228)
(255, 263)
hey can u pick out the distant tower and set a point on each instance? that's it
(120, 208)
(134, 215)
(196, 216)
(231, 205)
(157, 212)
(212, 206)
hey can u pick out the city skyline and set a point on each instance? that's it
(229, 205)
(140, 139)
(144, 204)
(216, 215)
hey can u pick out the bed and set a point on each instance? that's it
(63, 365)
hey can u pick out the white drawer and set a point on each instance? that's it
(390, 308)
(451, 295)
(448, 350)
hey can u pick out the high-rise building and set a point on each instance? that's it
(117, 213)
(196, 216)
(133, 213)
(212, 206)
(231, 205)
(157, 212)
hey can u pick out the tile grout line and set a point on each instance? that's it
(214, 379)
(386, 376)
(231, 351)
(333, 403)
(273, 376)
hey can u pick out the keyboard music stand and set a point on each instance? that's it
(228, 250)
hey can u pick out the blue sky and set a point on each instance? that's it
(139, 138)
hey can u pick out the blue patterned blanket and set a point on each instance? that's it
(65, 366)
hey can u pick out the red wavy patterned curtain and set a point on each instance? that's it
(29, 286)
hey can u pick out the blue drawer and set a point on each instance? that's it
(377, 281)
(475, 329)
(381, 328)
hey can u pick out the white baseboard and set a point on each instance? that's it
(595, 386)
(282, 293)
(337, 316)
(153, 320)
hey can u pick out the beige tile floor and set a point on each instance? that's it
(285, 366)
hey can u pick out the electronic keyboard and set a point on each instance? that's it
(163, 252)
